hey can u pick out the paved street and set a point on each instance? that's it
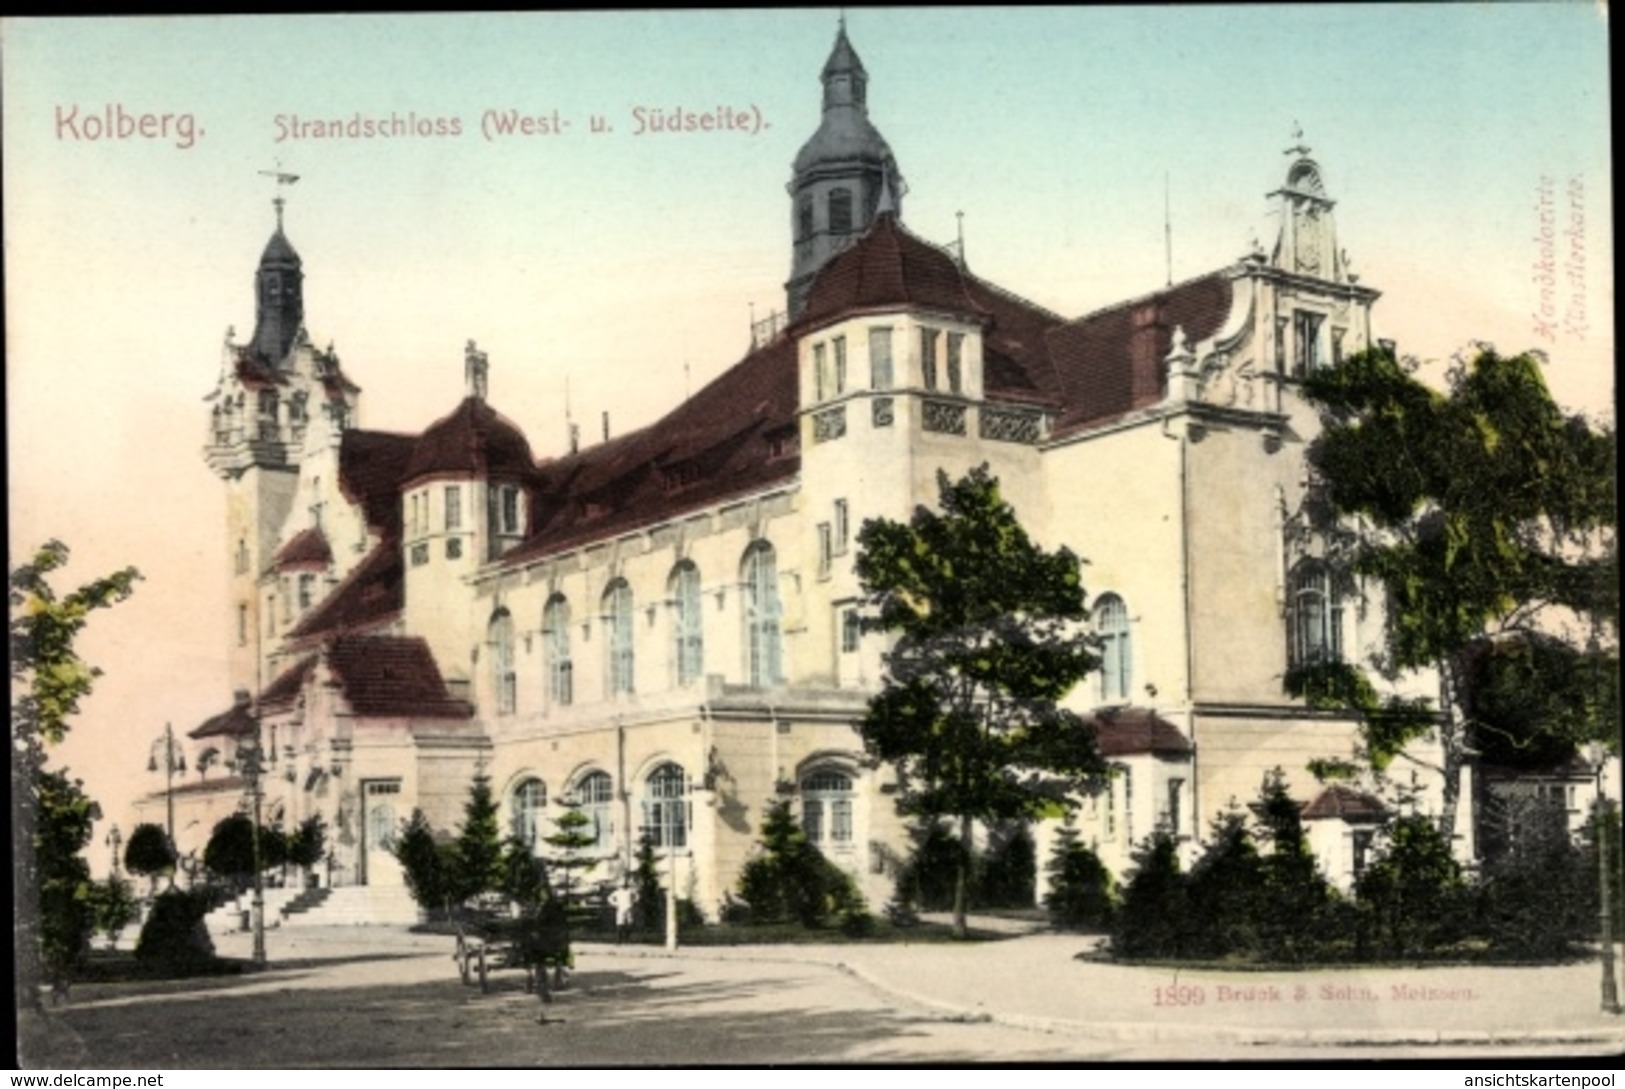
(380, 997)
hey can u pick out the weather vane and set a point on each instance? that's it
(282, 178)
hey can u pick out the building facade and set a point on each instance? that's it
(664, 627)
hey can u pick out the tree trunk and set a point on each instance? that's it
(962, 878)
(1453, 743)
(25, 878)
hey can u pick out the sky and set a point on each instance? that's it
(610, 270)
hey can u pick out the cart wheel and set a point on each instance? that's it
(461, 957)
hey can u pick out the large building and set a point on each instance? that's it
(664, 626)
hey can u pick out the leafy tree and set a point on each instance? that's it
(64, 828)
(524, 876)
(989, 637)
(1080, 886)
(1536, 894)
(230, 853)
(1492, 516)
(308, 844)
(479, 845)
(48, 680)
(112, 908)
(149, 853)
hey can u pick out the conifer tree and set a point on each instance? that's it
(479, 844)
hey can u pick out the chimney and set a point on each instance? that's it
(240, 697)
(475, 371)
(606, 426)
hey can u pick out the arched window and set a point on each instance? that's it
(1314, 616)
(503, 682)
(556, 640)
(826, 808)
(596, 794)
(688, 636)
(529, 803)
(1116, 651)
(665, 807)
(762, 613)
(618, 618)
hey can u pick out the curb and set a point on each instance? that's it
(1153, 1033)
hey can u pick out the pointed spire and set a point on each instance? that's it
(476, 372)
(1298, 148)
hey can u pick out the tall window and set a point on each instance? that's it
(556, 640)
(688, 634)
(820, 379)
(804, 219)
(596, 794)
(503, 682)
(880, 376)
(665, 806)
(454, 507)
(242, 556)
(851, 631)
(1117, 659)
(840, 211)
(928, 356)
(826, 549)
(307, 591)
(1314, 616)
(826, 808)
(1306, 333)
(956, 351)
(838, 350)
(510, 509)
(618, 617)
(762, 612)
(529, 804)
(242, 624)
(843, 525)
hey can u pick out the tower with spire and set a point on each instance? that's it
(844, 176)
(278, 414)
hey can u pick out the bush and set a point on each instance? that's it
(927, 879)
(1080, 895)
(1537, 899)
(112, 908)
(793, 880)
(1152, 921)
(1413, 900)
(174, 939)
(1225, 891)
(1008, 874)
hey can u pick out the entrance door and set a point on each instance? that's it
(378, 828)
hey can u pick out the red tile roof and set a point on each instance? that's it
(387, 675)
(888, 267)
(1345, 803)
(371, 595)
(1134, 731)
(237, 722)
(476, 440)
(713, 446)
(307, 549)
(372, 465)
(1113, 361)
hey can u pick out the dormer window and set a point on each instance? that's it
(956, 351)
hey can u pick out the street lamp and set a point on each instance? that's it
(174, 760)
(248, 759)
(1598, 754)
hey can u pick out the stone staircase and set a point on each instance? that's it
(228, 917)
(357, 905)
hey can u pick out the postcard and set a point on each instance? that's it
(540, 439)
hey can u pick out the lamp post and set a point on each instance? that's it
(174, 760)
(1598, 753)
(248, 758)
